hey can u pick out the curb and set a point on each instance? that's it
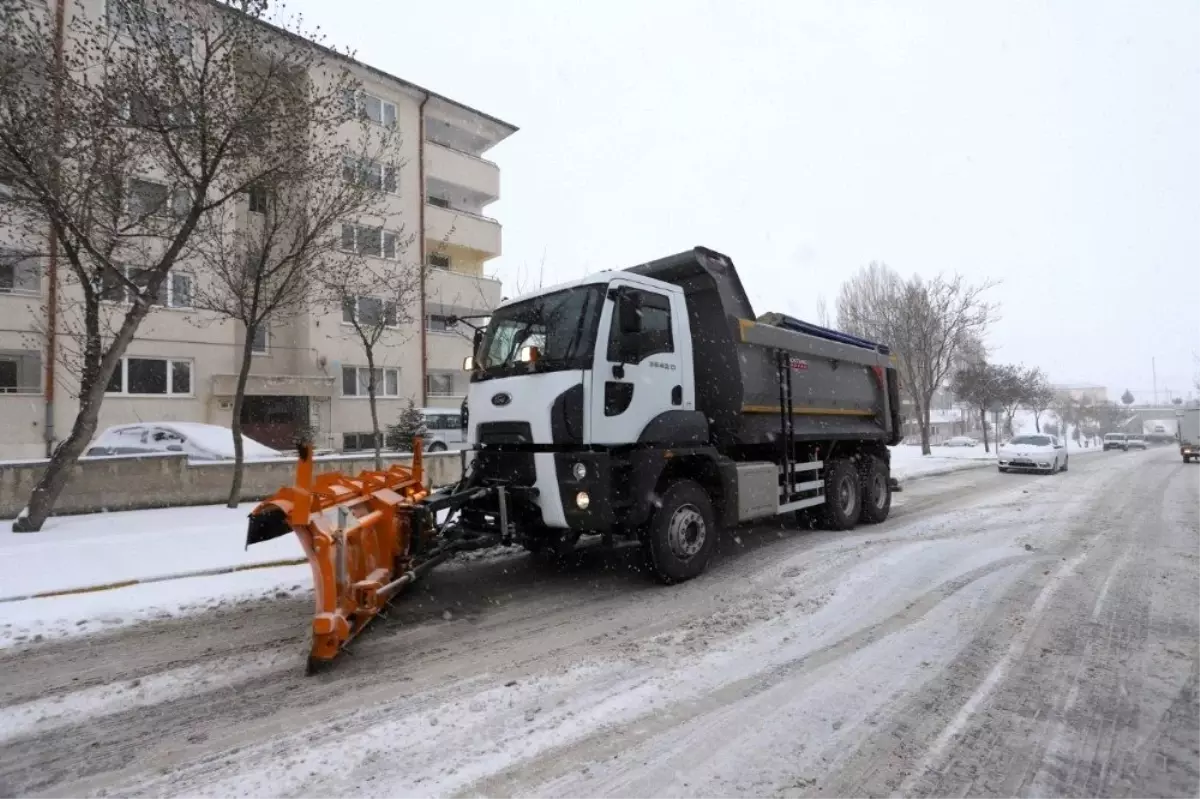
(91, 589)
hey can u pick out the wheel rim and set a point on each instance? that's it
(686, 531)
(847, 495)
(881, 491)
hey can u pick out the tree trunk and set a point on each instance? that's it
(235, 424)
(983, 424)
(371, 390)
(58, 470)
(923, 415)
(1037, 421)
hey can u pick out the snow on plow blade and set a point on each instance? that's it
(361, 536)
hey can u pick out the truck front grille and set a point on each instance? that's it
(503, 455)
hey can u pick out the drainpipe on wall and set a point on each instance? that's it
(52, 265)
(421, 238)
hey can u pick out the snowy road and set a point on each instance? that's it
(1000, 635)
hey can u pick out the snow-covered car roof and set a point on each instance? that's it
(212, 439)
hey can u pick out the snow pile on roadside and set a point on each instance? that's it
(115, 547)
(105, 548)
(908, 462)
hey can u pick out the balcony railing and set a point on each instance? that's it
(463, 229)
(456, 167)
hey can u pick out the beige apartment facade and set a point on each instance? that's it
(308, 370)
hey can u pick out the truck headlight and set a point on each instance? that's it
(582, 500)
(579, 470)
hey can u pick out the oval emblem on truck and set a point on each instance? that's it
(501, 399)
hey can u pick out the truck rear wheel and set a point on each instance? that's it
(876, 491)
(682, 534)
(843, 496)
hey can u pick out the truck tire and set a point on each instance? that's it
(682, 533)
(876, 491)
(843, 497)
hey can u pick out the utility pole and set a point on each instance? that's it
(1154, 375)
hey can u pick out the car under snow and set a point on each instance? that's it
(200, 442)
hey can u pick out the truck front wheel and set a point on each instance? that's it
(876, 491)
(682, 534)
(843, 497)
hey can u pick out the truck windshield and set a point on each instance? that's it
(562, 325)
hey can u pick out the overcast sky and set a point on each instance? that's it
(1052, 145)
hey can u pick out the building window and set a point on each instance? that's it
(371, 174)
(358, 442)
(20, 372)
(440, 202)
(19, 275)
(436, 323)
(174, 292)
(440, 385)
(369, 311)
(356, 379)
(258, 197)
(368, 105)
(147, 198)
(152, 377)
(261, 345)
(439, 261)
(373, 241)
(9, 375)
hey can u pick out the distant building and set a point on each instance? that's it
(1091, 394)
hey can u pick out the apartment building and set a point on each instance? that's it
(308, 371)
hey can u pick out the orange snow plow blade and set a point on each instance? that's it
(358, 535)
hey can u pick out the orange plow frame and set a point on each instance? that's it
(360, 559)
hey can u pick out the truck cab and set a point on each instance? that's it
(561, 377)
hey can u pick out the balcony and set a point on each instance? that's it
(463, 229)
(460, 294)
(457, 168)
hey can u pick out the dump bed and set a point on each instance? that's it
(843, 387)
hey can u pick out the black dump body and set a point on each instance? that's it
(843, 388)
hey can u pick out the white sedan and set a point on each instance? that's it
(1035, 452)
(961, 441)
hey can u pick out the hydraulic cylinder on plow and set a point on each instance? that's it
(366, 538)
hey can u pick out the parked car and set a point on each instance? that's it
(201, 442)
(1036, 453)
(961, 441)
(1135, 442)
(1115, 441)
(444, 429)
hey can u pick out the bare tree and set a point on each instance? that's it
(1039, 396)
(379, 299)
(121, 140)
(824, 318)
(977, 386)
(926, 322)
(1016, 383)
(262, 269)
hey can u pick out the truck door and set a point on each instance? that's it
(639, 371)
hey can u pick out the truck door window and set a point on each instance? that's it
(654, 333)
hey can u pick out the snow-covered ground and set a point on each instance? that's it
(1002, 634)
(103, 549)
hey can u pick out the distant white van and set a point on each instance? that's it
(443, 429)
